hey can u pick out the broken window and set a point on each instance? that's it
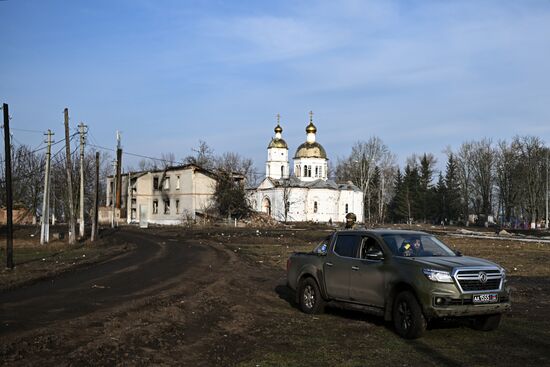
(315, 207)
(282, 171)
(346, 208)
(308, 171)
(177, 182)
(167, 206)
(316, 171)
(166, 183)
(177, 206)
(155, 183)
(298, 170)
(155, 206)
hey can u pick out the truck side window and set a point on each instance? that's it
(347, 245)
(369, 245)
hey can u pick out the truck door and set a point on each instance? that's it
(338, 263)
(367, 274)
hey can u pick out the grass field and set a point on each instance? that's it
(346, 338)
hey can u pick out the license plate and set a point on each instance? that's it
(486, 298)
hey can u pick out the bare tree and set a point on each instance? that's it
(532, 157)
(508, 182)
(482, 160)
(464, 162)
(359, 167)
(203, 156)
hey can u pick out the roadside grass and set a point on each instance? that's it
(347, 338)
(34, 261)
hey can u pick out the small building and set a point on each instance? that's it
(307, 194)
(20, 215)
(170, 196)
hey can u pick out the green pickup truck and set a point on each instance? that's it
(407, 277)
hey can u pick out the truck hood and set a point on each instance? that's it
(450, 262)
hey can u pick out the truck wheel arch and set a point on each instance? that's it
(390, 297)
(305, 275)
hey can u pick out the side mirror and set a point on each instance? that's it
(375, 255)
(322, 251)
(458, 253)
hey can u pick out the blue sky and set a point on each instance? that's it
(421, 75)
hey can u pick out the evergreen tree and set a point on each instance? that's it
(441, 199)
(406, 198)
(374, 189)
(425, 192)
(394, 214)
(230, 196)
(452, 185)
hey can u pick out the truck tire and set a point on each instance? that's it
(487, 322)
(408, 320)
(311, 301)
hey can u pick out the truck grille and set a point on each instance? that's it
(478, 280)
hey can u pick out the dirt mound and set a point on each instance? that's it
(262, 220)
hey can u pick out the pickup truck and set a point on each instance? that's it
(408, 277)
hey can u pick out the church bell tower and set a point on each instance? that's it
(277, 166)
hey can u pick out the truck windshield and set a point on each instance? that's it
(416, 245)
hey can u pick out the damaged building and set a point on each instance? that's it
(170, 196)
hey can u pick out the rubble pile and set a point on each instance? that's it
(262, 220)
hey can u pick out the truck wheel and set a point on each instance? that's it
(311, 301)
(408, 320)
(487, 322)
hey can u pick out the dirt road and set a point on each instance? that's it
(169, 301)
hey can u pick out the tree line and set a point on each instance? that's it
(28, 167)
(482, 181)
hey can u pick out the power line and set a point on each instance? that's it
(26, 130)
(133, 154)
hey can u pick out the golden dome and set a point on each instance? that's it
(311, 128)
(277, 143)
(310, 150)
(278, 129)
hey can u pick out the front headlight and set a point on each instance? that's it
(503, 271)
(438, 275)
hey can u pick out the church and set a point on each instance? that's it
(306, 193)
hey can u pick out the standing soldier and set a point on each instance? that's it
(350, 221)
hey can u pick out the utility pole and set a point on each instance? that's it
(72, 229)
(45, 229)
(96, 199)
(547, 151)
(9, 198)
(82, 132)
(114, 194)
(118, 173)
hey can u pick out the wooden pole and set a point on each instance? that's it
(95, 229)
(118, 173)
(72, 226)
(9, 197)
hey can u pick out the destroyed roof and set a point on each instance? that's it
(167, 169)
